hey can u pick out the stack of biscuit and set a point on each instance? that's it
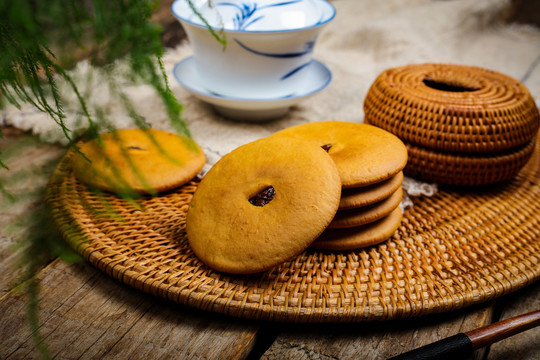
(370, 162)
(326, 185)
(366, 216)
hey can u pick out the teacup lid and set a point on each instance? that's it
(255, 15)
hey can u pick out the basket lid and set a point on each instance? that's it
(453, 108)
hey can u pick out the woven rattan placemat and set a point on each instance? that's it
(457, 248)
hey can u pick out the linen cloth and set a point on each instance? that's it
(365, 38)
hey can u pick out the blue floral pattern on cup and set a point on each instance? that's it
(249, 13)
(308, 48)
(294, 71)
(269, 43)
(248, 10)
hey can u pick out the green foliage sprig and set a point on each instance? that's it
(39, 42)
(218, 35)
(33, 33)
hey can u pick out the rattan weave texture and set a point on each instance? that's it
(452, 250)
(466, 170)
(453, 108)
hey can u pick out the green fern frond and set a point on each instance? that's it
(111, 30)
(38, 40)
(220, 38)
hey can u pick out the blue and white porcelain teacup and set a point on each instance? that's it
(268, 43)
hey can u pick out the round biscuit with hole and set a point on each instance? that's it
(262, 204)
(144, 161)
(364, 154)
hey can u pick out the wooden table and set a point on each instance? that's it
(84, 314)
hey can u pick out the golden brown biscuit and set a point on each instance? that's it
(364, 154)
(357, 197)
(367, 214)
(262, 204)
(145, 161)
(359, 237)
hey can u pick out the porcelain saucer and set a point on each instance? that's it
(246, 109)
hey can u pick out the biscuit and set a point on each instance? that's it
(262, 204)
(357, 197)
(359, 237)
(144, 161)
(367, 214)
(364, 154)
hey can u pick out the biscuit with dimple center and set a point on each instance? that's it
(262, 204)
(364, 154)
(144, 161)
(367, 214)
(359, 237)
(357, 197)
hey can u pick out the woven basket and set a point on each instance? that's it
(466, 170)
(452, 250)
(453, 108)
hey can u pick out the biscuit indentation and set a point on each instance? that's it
(263, 197)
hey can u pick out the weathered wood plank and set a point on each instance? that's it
(30, 163)
(374, 340)
(85, 314)
(526, 345)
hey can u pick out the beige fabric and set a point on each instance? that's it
(365, 38)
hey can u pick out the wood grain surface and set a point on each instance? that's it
(85, 314)
(522, 346)
(503, 329)
(374, 340)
